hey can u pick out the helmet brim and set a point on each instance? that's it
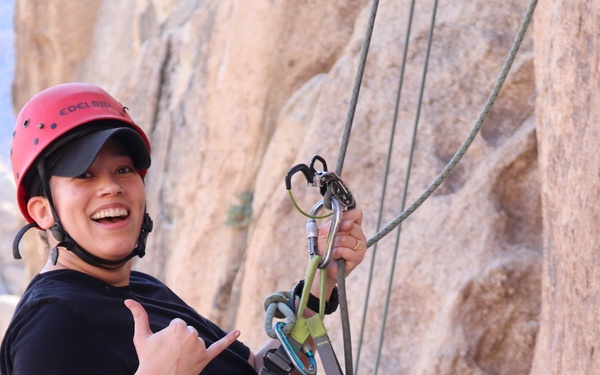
(76, 156)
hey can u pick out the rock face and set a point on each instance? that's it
(233, 93)
(567, 79)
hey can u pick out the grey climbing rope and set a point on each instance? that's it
(405, 191)
(388, 165)
(436, 183)
(341, 264)
(470, 137)
(276, 305)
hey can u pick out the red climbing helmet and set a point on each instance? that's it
(52, 113)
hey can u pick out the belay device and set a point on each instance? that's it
(297, 329)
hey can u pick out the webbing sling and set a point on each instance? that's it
(285, 359)
(313, 326)
(323, 344)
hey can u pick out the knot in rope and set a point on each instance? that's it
(277, 305)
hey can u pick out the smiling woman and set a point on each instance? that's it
(79, 170)
(79, 176)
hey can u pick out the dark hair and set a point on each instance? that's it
(36, 188)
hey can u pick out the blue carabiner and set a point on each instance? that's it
(291, 353)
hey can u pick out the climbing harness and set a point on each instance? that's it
(294, 333)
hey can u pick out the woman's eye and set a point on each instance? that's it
(125, 170)
(84, 175)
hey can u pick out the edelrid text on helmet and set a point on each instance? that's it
(83, 105)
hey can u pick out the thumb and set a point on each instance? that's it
(140, 320)
(218, 346)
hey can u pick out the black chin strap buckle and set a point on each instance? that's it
(147, 225)
(65, 241)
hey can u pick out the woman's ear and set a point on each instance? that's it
(39, 209)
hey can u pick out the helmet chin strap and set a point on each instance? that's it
(66, 241)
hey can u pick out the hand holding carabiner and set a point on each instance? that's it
(349, 244)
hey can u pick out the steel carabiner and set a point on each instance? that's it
(312, 230)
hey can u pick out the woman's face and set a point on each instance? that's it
(103, 209)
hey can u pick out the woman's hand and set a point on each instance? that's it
(350, 243)
(176, 349)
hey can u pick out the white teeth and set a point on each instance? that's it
(111, 212)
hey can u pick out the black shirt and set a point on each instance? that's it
(68, 322)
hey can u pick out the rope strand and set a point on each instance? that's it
(385, 181)
(341, 264)
(470, 137)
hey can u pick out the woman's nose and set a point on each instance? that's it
(109, 185)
